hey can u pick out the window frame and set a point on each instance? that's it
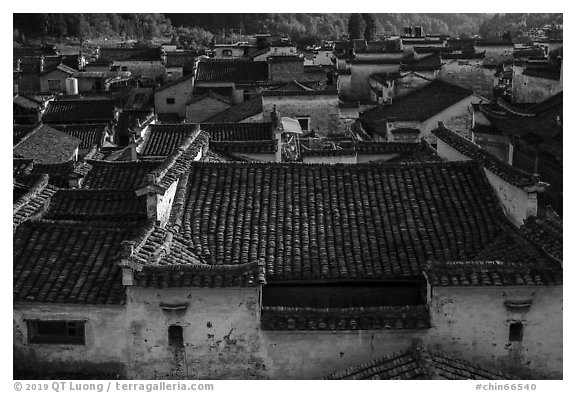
(168, 99)
(35, 336)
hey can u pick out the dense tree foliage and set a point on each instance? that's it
(370, 29)
(356, 26)
(195, 30)
(513, 26)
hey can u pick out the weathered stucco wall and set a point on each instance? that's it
(220, 331)
(222, 338)
(469, 74)
(331, 159)
(315, 354)
(147, 69)
(104, 352)
(344, 85)
(181, 93)
(322, 109)
(53, 75)
(530, 89)
(473, 324)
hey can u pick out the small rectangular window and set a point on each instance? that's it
(54, 84)
(516, 331)
(170, 100)
(124, 68)
(56, 332)
(175, 336)
(304, 123)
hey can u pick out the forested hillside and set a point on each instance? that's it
(200, 29)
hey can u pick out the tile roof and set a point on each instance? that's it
(89, 134)
(228, 132)
(546, 233)
(62, 174)
(540, 120)
(79, 111)
(163, 139)
(331, 222)
(213, 156)
(168, 118)
(19, 131)
(249, 147)
(184, 79)
(237, 113)
(69, 261)
(426, 63)
(122, 175)
(418, 105)
(492, 273)
(285, 59)
(32, 199)
(61, 67)
(46, 145)
(407, 152)
(161, 259)
(159, 174)
(97, 205)
(326, 92)
(354, 318)
(417, 363)
(133, 54)
(232, 71)
(507, 172)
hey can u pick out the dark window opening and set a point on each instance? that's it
(170, 100)
(516, 331)
(344, 295)
(304, 123)
(56, 332)
(175, 336)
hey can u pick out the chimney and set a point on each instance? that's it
(441, 124)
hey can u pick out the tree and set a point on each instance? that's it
(370, 29)
(356, 26)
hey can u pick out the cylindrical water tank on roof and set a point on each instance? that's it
(71, 86)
